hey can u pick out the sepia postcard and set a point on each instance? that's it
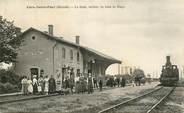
(92, 56)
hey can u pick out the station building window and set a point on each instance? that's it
(71, 54)
(78, 56)
(78, 72)
(63, 53)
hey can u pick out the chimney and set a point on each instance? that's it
(50, 29)
(77, 39)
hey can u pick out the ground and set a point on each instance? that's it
(78, 102)
(174, 103)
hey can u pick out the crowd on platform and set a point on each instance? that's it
(114, 81)
(70, 84)
(46, 85)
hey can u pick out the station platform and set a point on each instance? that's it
(10, 94)
(19, 93)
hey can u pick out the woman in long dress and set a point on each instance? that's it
(52, 85)
(24, 85)
(35, 84)
(77, 83)
(41, 85)
(46, 82)
(30, 86)
(90, 85)
(58, 83)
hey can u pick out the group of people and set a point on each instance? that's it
(139, 80)
(79, 84)
(114, 81)
(97, 83)
(38, 85)
(46, 85)
(87, 84)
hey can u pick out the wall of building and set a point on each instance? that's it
(36, 52)
(45, 54)
(61, 62)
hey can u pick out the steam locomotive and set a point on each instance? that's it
(170, 74)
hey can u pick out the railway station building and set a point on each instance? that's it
(45, 54)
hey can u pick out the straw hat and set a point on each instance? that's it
(34, 76)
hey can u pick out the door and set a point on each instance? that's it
(34, 71)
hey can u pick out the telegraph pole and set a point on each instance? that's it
(182, 72)
(122, 70)
(118, 69)
(157, 74)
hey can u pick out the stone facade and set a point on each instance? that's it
(36, 53)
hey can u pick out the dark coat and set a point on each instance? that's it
(52, 85)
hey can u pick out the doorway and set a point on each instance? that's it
(34, 71)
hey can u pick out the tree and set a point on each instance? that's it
(127, 76)
(10, 41)
(139, 76)
(138, 73)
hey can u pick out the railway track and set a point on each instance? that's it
(17, 98)
(145, 103)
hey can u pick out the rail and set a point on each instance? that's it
(125, 102)
(27, 98)
(160, 101)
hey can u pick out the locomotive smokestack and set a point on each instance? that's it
(168, 62)
(168, 58)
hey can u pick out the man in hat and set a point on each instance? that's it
(90, 84)
(95, 82)
(71, 84)
(118, 80)
(123, 82)
(67, 82)
(100, 84)
(77, 83)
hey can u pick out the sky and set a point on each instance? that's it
(140, 34)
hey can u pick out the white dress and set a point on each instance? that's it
(39, 87)
(58, 84)
(30, 86)
(35, 81)
(24, 84)
(46, 89)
